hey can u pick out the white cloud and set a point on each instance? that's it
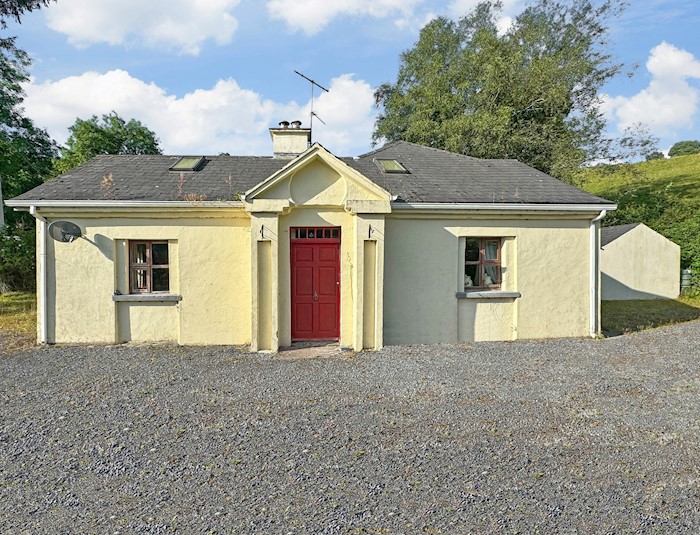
(224, 118)
(669, 103)
(311, 16)
(348, 111)
(182, 25)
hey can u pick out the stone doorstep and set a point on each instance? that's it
(313, 350)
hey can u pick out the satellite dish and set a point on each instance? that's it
(64, 231)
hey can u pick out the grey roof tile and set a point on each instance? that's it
(435, 176)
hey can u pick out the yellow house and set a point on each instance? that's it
(403, 245)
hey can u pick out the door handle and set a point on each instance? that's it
(315, 296)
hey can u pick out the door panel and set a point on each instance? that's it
(315, 265)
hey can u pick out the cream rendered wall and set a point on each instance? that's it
(640, 264)
(210, 269)
(546, 260)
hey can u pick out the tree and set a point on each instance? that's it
(654, 155)
(109, 134)
(530, 93)
(683, 148)
(14, 9)
(27, 153)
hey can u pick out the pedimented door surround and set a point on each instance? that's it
(317, 191)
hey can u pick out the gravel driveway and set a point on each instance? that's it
(563, 436)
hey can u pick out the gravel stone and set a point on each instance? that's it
(557, 436)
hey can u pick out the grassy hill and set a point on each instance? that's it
(664, 194)
(675, 177)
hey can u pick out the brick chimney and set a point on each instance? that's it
(289, 139)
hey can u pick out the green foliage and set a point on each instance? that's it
(655, 155)
(14, 9)
(683, 148)
(664, 194)
(26, 154)
(530, 93)
(26, 150)
(109, 134)
(17, 263)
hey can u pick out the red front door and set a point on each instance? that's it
(315, 260)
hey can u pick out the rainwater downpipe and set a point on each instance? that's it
(594, 282)
(43, 311)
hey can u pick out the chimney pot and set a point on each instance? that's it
(296, 124)
(284, 124)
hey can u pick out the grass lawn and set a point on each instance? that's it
(17, 321)
(619, 317)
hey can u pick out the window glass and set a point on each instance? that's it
(472, 252)
(148, 267)
(160, 254)
(482, 263)
(138, 279)
(161, 279)
(140, 256)
(491, 249)
(471, 275)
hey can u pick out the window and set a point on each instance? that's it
(188, 163)
(315, 233)
(149, 271)
(482, 264)
(390, 166)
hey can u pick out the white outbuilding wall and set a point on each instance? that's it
(638, 263)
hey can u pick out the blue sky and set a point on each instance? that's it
(211, 76)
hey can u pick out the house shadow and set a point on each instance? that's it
(644, 311)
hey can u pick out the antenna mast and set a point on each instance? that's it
(313, 113)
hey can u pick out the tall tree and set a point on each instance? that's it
(530, 92)
(27, 153)
(109, 134)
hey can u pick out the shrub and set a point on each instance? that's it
(17, 262)
(683, 148)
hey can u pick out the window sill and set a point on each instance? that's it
(147, 298)
(487, 294)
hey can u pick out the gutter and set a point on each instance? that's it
(502, 207)
(14, 203)
(595, 276)
(43, 311)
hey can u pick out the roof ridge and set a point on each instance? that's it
(385, 146)
(442, 151)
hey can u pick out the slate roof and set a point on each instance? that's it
(609, 234)
(434, 176)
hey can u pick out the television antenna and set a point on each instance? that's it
(313, 113)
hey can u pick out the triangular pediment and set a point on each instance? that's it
(317, 178)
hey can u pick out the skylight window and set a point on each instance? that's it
(391, 166)
(188, 163)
